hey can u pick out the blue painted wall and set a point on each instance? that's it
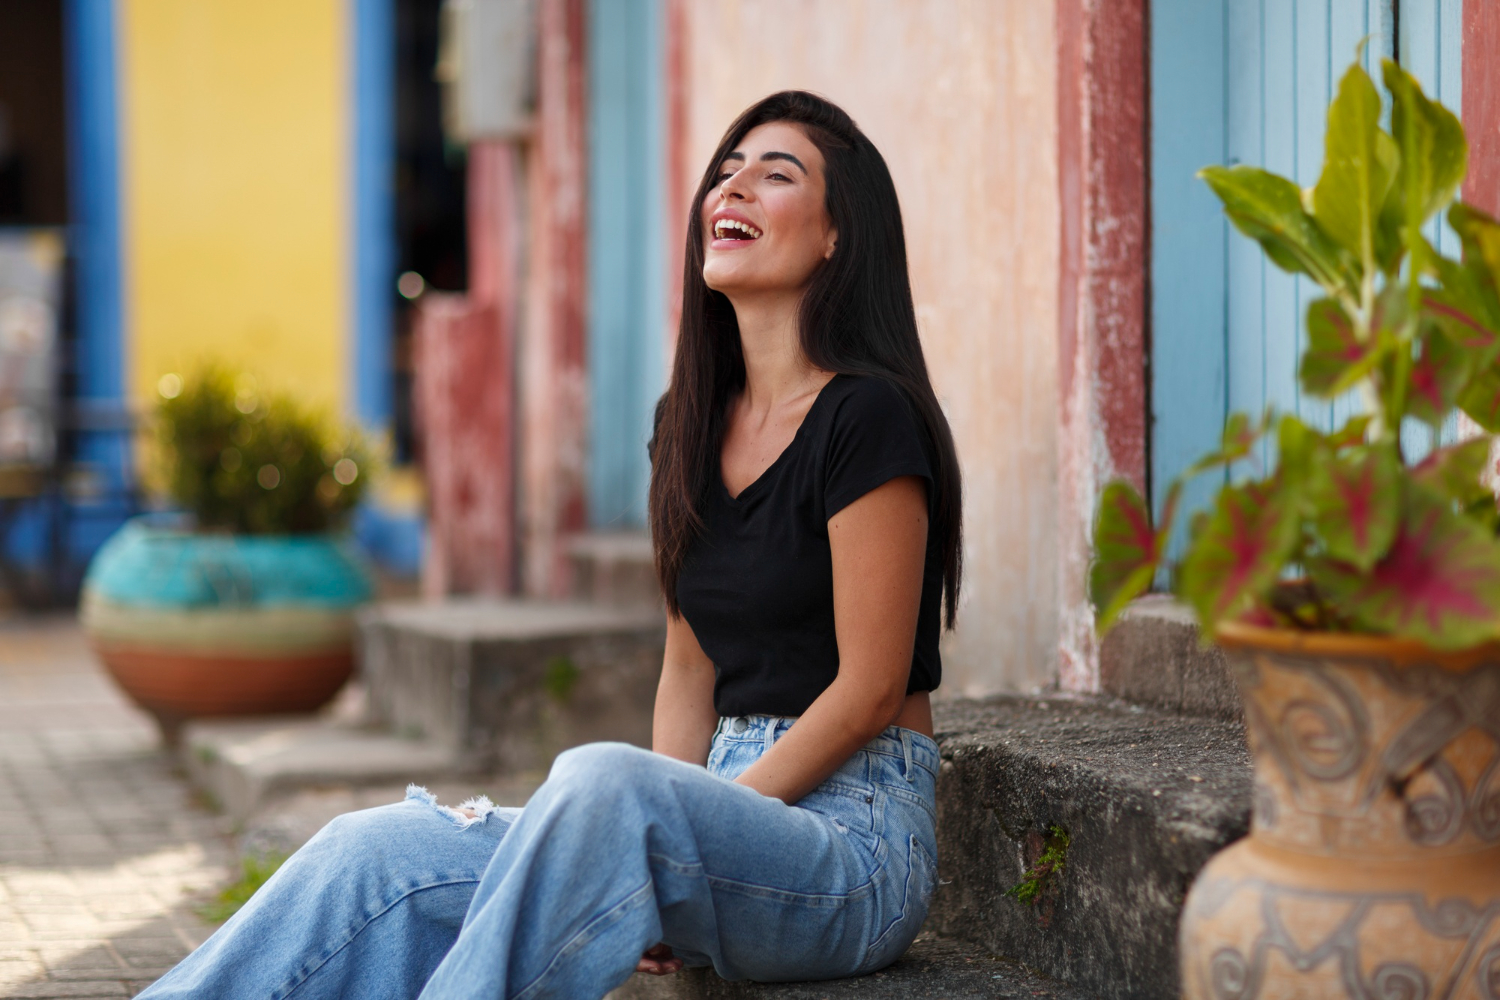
(626, 283)
(1249, 81)
(373, 210)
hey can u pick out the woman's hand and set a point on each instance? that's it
(659, 961)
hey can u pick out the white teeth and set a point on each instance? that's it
(743, 227)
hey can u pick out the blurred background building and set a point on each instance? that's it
(461, 223)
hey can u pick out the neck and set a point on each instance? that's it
(776, 369)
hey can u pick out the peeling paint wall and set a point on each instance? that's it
(961, 98)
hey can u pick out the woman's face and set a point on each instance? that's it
(765, 227)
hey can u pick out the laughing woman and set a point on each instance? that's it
(805, 512)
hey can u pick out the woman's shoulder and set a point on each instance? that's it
(853, 395)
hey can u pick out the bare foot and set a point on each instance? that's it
(659, 961)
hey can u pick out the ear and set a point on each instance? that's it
(833, 243)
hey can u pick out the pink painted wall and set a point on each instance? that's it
(961, 98)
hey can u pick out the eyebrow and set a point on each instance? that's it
(769, 156)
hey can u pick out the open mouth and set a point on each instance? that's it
(734, 229)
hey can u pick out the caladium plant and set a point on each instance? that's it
(1347, 532)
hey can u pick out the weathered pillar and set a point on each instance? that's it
(1102, 170)
(554, 380)
(1481, 103)
(465, 368)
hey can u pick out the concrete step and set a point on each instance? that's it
(241, 764)
(1155, 656)
(614, 567)
(934, 967)
(507, 685)
(1145, 797)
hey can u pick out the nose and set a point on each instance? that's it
(730, 187)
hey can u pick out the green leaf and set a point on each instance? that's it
(1465, 309)
(1298, 448)
(1268, 209)
(1479, 234)
(1359, 164)
(1480, 399)
(1240, 552)
(1239, 437)
(1438, 583)
(1434, 152)
(1335, 358)
(1455, 471)
(1352, 433)
(1356, 501)
(1437, 376)
(1127, 549)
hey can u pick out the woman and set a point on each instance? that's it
(805, 511)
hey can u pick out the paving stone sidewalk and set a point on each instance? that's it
(103, 852)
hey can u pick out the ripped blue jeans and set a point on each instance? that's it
(618, 850)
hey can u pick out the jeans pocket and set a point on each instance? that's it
(915, 898)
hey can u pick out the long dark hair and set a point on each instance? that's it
(856, 318)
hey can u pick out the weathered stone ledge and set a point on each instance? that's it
(1145, 796)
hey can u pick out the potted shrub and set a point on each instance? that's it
(1355, 587)
(245, 605)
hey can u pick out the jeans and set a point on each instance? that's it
(618, 850)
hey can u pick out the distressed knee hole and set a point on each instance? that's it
(474, 809)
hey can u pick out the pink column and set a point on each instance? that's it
(1481, 111)
(554, 380)
(465, 397)
(1102, 151)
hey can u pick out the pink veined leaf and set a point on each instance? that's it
(1356, 504)
(1462, 321)
(1437, 377)
(1455, 471)
(1127, 548)
(1335, 357)
(1240, 551)
(1438, 583)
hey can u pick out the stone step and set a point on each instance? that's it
(507, 685)
(934, 967)
(614, 567)
(1145, 798)
(1155, 656)
(240, 764)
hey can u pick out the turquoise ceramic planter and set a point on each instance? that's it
(196, 624)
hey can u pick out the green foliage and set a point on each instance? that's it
(1343, 533)
(1048, 867)
(246, 461)
(255, 870)
(559, 678)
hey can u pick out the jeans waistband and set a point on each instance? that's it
(908, 744)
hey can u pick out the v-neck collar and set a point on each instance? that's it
(780, 459)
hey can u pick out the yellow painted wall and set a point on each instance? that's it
(233, 130)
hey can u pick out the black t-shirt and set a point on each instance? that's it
(757, 585)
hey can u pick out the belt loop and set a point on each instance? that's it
(771, 732)
(906, 752)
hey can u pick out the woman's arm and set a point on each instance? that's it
(683, 723)
(879, 545)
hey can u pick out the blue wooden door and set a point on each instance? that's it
(626, 281)
(1249, 81)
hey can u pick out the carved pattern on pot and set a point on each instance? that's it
(1428, 756)
(1340, 942)
(1372, 871)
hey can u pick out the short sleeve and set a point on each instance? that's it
(875, 437)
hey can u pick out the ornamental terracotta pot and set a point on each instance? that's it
(1372, 868)
(194, 625)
